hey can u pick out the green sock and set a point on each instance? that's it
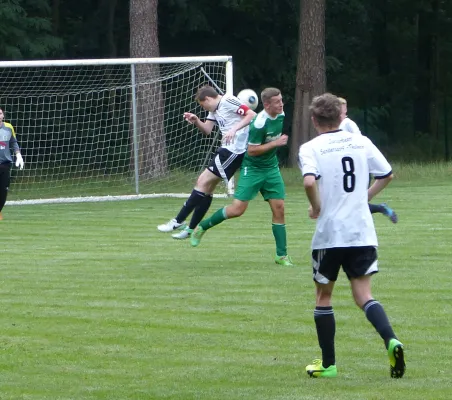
(216, 218)
(279, 232)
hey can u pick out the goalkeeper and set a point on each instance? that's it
(259, 173)
(233, 119)
(8, 142)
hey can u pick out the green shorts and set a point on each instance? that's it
(253, 180)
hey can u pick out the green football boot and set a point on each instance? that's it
(196, 236)
(396, 359)
(316, 370)
(285, 261)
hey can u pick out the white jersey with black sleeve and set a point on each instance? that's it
(341, 162)
(350, 126)
(228, 113)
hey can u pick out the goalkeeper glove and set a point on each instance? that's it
(19, 161)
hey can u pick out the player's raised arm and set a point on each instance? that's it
(205, 127)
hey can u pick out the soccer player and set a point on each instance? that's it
(350, 126)
(233, 119)
(336, 167)
(8, 142)
(259, 173)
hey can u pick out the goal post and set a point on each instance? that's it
(109, 129)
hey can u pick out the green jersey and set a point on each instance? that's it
(264, 129)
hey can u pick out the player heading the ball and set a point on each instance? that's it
(232, 118)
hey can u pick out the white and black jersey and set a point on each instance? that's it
(341, 162)
(228, 113)
(349, 125)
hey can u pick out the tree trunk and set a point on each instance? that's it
(311, 75)
(152, 155)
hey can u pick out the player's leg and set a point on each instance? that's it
(384, 209)
(234, 210)
(248, 186)
(198, 202)
(326, 265)
(273, 191)
(204, 187)
(222, 166)
(360, 266)
(5, 175)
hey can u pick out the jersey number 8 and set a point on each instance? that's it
(349, 178)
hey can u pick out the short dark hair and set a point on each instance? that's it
(206, 91)
(268, 93)
(326, 110)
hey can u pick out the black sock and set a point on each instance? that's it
(375, 208)
(376, 314)
(326, 329)
(200, 211)
(195, 199)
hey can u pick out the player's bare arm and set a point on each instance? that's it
(205, 127)
(378, 186)
(255, 150)
(310, 186)
(245, 121)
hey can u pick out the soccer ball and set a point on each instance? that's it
(249, 98)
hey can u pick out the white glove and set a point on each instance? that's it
(19, 161)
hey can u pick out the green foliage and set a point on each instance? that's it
(25, 31)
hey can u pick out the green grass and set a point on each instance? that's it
(96, 304)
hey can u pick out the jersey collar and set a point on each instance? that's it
(336, 130)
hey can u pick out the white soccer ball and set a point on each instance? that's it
(249, 98)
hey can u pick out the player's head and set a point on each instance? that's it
(208, 98)
(343, 108)
(272, 101)
(325, 112)
(1, 115)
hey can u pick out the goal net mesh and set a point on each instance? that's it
(107, 130)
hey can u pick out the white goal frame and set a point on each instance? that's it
(134, 63)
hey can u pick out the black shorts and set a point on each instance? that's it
(355, 261)
(224, 163)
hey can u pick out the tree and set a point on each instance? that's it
(311, 74)
(26, 31)
(152, 156)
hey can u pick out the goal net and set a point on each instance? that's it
(99, 129)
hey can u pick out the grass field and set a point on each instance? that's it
(96, 304)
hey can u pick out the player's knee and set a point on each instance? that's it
(236, 209)
(278, 210)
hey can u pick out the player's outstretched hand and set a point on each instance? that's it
(190, 118)
(19, 161)
(228, 137)
(282, 140)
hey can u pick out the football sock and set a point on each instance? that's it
(279, 232)
(375, 208)
(376, 315)
(200, 211)
(194, 200)
(326, 330)
(216, 218)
